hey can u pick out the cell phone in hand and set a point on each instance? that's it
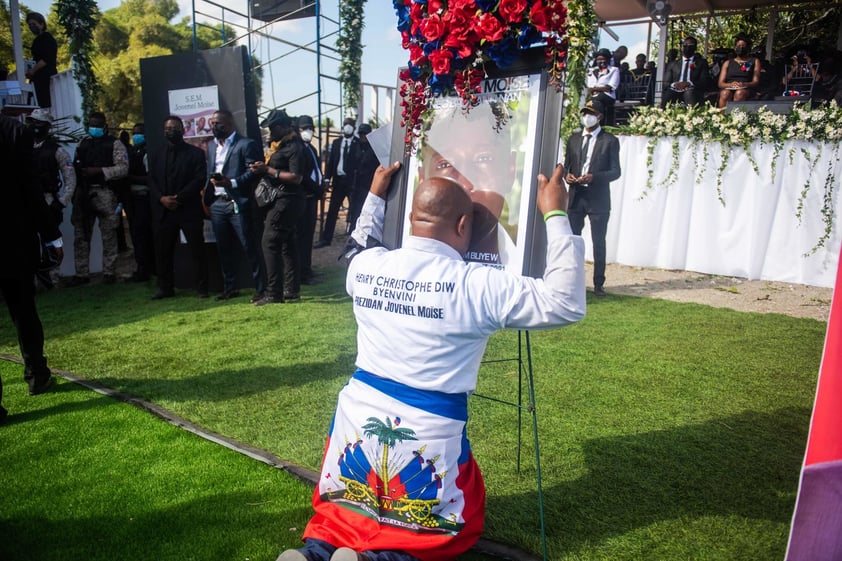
(217, 176)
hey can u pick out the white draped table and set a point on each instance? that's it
(756, 233)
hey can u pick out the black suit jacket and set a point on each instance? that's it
(242, 151)
(605, 168)
(699, 74)
(27, 214)
(350, 164)
(184, 177)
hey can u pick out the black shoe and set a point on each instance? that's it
(202, 294)
(599, 291)
(76, 280)
(258, 296)
(292, 297)
(3, 414)
(320, 244)
(109, 279)
(36, 388)
(161, 294)
(228, 294)
(269, 300)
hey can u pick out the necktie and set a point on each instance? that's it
(345, 145)
(584, 159)
(685, 73)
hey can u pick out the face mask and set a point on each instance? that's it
(96, 132)
(688, 50)
(220, 132)
(138, 139)
(348, 130)
(307, 135)
(590, 121)
(602, 64)
(174, 136)
(741, 51)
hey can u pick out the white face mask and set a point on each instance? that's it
(590, 121)
(307, 135)
(348, 130)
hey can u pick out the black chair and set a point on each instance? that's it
(633, 92)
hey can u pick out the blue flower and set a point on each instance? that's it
(503, 52)
(528, 36)
(430, 47)
(486, 5)
(441, 83)
(404, 22)
(414, 71)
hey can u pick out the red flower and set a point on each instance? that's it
(433, 6)
(461, 33)
(440, 59)
(512, 10)
(461, 4)
(539, 18)
(490, 28)
(432, 27)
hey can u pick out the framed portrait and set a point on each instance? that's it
(495, 150)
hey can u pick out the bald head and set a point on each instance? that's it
(442, 210)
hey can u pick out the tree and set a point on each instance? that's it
(387, 436)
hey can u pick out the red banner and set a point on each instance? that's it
(816, 533)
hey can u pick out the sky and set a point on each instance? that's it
(290, 79)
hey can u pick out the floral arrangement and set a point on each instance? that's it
(79, 18)
(450, 41)
(581, 23)
(706, 124)
(349, 45)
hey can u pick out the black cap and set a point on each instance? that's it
(365, 128)
(306, 121)
(277, 117)
(594, 107)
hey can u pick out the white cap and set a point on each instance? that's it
(40, 114)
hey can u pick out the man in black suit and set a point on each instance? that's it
(687, 78)
(176, 177)
(340, 172)
(313, 193)
(592, 161)
(230, 198)
(28, 223)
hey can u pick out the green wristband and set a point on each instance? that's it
(552, 213)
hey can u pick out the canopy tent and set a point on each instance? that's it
(622, 10)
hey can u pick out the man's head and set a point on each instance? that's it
(97, 125)
(620, 53)
(40, 121)
(306, 127)
(364, 131)
(592, 114)
(174, 129)
(36, 22)
(602, 58)
(640, 61)
(139, 134)
(348, 126)
(280, 124)
(475, 150)
(688, 47)
(222, 123)
(442, 210)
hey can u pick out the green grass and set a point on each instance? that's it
(668, 431)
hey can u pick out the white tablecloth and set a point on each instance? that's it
(755, 235)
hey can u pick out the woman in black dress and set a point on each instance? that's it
(739, 76)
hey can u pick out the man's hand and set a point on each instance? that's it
(382, 179)
(222, 182)
(552, 194)
(571, 179)
(169, 201)
(259, 168)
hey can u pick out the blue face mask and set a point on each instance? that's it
(96, 132)
(138, 139)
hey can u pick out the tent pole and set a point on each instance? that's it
(17, 41)
(662, 57)
(770, 33)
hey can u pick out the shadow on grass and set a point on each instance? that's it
(229, 384)
(199, 529)
(743, 466)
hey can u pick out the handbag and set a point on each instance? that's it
(265, 193)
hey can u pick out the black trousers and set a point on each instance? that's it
(306, 231)
(599, 227)
(688, 97)
(19, 294)
(166, 238)
(341, 188)
(139, 213)
(280, 246)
